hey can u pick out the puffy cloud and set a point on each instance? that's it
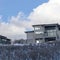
(46, 13)
(20, 20)
(15, 27)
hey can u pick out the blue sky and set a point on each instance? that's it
(12, 7)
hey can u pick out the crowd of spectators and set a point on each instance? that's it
(43, 51)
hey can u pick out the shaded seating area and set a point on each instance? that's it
(4, 40)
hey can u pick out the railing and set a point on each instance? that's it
(50, 34)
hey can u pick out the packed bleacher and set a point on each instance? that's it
(43, 51)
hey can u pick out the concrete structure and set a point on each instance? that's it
(19, 41)
(4, 40)
(30, 37)
(43, 33)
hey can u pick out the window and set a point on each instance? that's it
(37, 28)
(51, 32)
(38, 32)
(50, 39)
(37, 41)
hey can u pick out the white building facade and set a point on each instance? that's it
(43, 33)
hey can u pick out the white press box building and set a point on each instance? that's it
(43, 33)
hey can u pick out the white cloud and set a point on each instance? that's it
(15, 27)
(46, 13)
